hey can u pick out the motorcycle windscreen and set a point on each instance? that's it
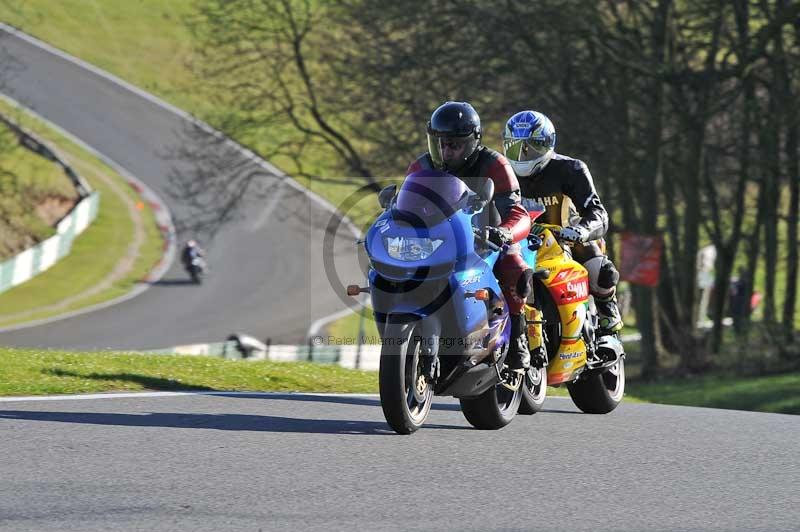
(427, 198)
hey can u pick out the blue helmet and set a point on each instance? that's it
(529, 139)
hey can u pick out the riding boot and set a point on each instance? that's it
(519, 356)
(609, 318)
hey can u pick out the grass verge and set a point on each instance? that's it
(96, 253)
(41, 372)
(774, 393)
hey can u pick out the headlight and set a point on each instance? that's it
(410, 249)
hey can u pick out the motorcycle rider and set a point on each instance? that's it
(454, 145)
(565, 187)
(191, 251)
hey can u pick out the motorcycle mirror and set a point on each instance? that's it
(385, 196)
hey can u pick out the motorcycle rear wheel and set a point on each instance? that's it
(600, 393)
(404, 408)
(493, 409)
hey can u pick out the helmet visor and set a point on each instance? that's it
(450, 152)
(523, 149)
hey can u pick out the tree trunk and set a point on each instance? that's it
(644, 297)
(771, 191)
(727, 250)
(753, 249)
(646, 317)
(793, 169)
(792, 258)
(691, 358)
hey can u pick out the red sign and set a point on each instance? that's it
(641, 258)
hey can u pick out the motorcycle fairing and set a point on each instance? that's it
(474, 329)
(568, 286)
(455, 264)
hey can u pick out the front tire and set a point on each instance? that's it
(493, 409)
(600, 393)
(534, 391)
(406, 397)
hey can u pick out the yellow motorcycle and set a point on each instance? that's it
(563, 321)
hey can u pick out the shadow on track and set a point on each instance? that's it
(351, 400)
(235, 422)
(174, 282)
(151, 383)
(338, 399)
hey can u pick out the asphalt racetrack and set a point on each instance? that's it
(267, 276)
(307, 462)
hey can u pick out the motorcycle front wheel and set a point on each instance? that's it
(406, 397)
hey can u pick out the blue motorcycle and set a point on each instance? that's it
(441, 314)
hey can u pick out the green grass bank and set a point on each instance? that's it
(42, 372)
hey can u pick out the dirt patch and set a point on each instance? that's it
(23, 226)
(52, 209)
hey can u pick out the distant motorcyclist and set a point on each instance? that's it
(191, 254)
(454, 145)
(566, 189)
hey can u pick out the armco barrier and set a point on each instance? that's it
(40, 257)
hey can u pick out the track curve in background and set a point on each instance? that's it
(267, 277)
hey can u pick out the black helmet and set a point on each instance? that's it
(454, 135)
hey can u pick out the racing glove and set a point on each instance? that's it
(498, 235)
(575, 234)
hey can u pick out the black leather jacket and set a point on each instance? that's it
(566, 189)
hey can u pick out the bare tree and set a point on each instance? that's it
(262, 62)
